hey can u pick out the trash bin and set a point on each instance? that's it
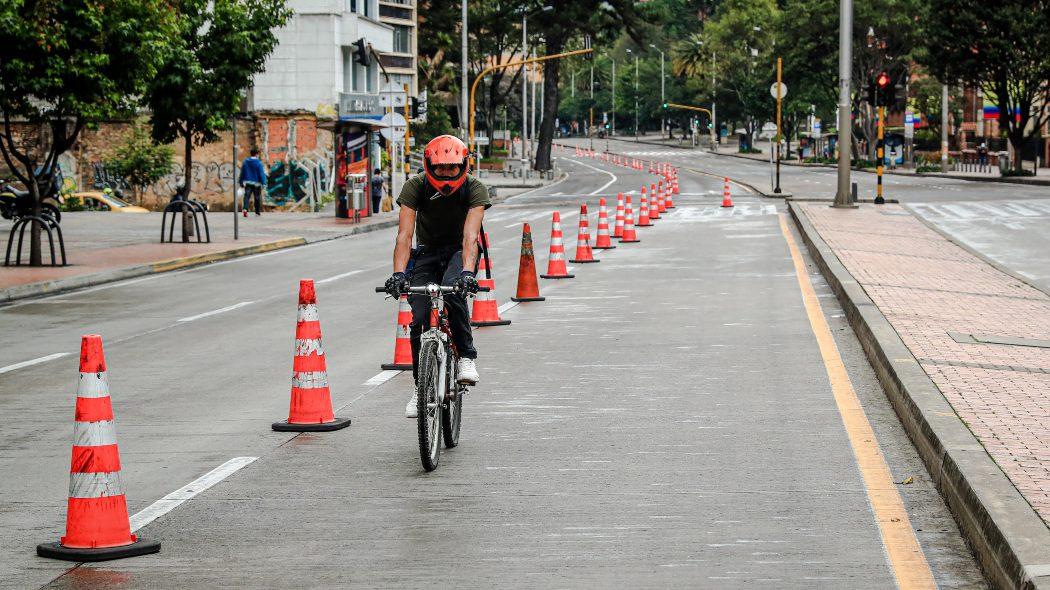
(1004, 162)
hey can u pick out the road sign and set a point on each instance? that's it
(393, 125)
(393, 95)
(816, 126)
(783, 90)
(909, 125)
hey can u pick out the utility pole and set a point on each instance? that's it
(715, 135)
(663, 118)
(780, 139)
(843, 196)
(944, 128)
(463, 116)
(524, 95)
(613, 130)
(635, 93)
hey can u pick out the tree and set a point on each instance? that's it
(219, 47)
(66, 64)
(141, 162)
(570, 20)
(926, 98)
(1002, 48)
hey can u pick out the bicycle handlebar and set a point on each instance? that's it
(423, 290)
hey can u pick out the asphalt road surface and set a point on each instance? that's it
(1009, 224)
(665, 419)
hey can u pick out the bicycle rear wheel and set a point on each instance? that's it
(429, 393)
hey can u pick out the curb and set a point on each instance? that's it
(31, 290)
(1010, 540)
(67, 284)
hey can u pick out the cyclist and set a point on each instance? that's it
(443, 207)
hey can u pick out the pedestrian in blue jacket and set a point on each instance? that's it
(253, 179)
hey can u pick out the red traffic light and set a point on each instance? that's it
(883, 80)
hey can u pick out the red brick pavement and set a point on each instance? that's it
(928, 287)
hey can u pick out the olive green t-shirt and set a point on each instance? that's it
(439, 220)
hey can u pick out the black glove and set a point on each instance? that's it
(466, 283)
(396, 284)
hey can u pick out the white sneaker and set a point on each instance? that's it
(411, 411)
(467, 371)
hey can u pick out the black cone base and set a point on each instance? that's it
(395, 367)
(337, 424)
(57, 551)
(528, 299)
(557, 276)
(584, 261)
(629, 241)
(495, 323)
(604, 247)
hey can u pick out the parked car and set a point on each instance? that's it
(105, 200)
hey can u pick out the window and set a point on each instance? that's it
(402, 39)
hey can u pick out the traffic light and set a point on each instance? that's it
(882, 81)
(867, 94)
(361, 55)
(664, 106)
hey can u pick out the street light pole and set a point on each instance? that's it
(843, 196)
(524, 95)
(663, 118)
(776, 189)
(714, 119)
(463, 71)
(613, 129)
(635, 93)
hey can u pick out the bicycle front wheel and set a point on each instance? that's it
(453, 414)
(430, 393)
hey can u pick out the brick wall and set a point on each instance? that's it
(212, 176)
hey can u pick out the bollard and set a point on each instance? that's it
(853, 191)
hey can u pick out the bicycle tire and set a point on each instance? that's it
(452, 419)
(428, 420)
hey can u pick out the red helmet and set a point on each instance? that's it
(445, 150)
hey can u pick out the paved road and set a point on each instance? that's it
(1007, 223)
(664, 419)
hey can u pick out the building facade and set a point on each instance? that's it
(400, 60)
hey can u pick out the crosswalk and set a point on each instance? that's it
(715, 213)
(1006, 210)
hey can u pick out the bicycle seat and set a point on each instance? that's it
(18, 194)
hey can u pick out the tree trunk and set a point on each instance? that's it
(187, 225)
(35, 247)
(551, 77)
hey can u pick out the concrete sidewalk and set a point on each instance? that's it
(105, 247)
(981, 336)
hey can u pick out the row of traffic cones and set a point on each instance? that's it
(98, 526)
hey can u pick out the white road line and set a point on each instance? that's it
(37, 361)
(383, 377)
(503, 308)
(216, 311)
(342, 276)
(604, 186)
(187, 492)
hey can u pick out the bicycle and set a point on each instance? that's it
(439, 395)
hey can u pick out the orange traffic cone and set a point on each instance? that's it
(584, 254)
(528, 285)
(556, 268)
(618, 228)
(654, 210)
(485, 311)
(630, 236)
(310, 409)
(97, 524)
(402, 342)
(643, 212)
(726, 200)
(603, 241)
(661, 201)
(669, 200)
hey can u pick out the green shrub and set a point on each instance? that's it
(140, 161)
(72, 203)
